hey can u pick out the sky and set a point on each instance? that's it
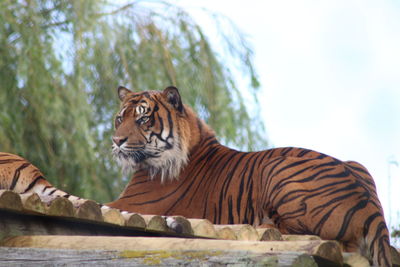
(330, 78)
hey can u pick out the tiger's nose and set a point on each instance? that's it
(118, 140)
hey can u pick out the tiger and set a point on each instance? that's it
(180, 168)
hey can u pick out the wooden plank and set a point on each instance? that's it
(10, 200)
(226, 233)
(325, 249)
(355, 259)
(300, 237)
(242, 231)
(66, 257)
(182, 225)
(156, 223)
(32, 203)
(395, 256)
(89, 210)
(113, 216)
(134, 220)
(269, 234)
(59, 206)
(203, 227)
(13, 223)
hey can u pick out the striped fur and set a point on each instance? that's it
(21, 176)
(301, 191)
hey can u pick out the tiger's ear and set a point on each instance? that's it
(122, 92)
(171, 93)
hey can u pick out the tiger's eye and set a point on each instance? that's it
(143, 120)
(118, 119)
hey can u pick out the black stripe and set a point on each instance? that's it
(368, 222)
(17, 174)
(134, 195)
(349, 215)
(46, 187)
(304, 152)
(336, 199)
(320, 224)
(52, 192)
(249, 218)
(32, 184)
(243, 179)
(230, 211)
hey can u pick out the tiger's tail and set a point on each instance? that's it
(376, 241)
(21, 176)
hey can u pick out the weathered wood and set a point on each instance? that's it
(226, 233)
(242, 231)
(13, 223)
(156, 223)
(134, 220)
(59, 206)
(66, 257)
(10, 200)
(247, 232)
(175, 244)
(395, 256)
(31, 202)
(304, 260)
(328, 250)
(269, 234)
(203, 227)
(300, 237)
(89, 210)
(355, 259)
(113, 216)
(184, 225)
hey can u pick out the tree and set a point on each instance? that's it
(61, 62)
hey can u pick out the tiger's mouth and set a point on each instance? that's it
(129, 157)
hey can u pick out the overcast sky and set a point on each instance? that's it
(330, 78)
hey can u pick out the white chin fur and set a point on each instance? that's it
(168, 165)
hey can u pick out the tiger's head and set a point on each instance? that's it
(154, 131)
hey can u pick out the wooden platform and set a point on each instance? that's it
(35, 231)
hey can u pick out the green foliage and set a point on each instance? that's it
(61, 62)
(396, 233)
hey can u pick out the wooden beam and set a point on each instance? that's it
(325, 249)
(45, 257)
(10, 200)
(242, 231)
(134, 220)
(89, 210)
(113, 216)
(14, 223)
(31, 202)
(203, 227)
(226, 233)
(269, 234)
